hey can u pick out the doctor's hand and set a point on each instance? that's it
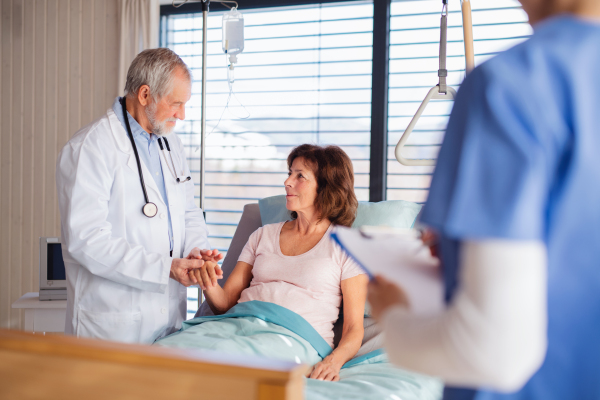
(180, 267)
(206, 255)
(383, 294)
(207, 276)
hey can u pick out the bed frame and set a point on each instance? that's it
(34, 366)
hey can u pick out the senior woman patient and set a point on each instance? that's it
(295, 265)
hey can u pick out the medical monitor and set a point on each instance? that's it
(53, 279)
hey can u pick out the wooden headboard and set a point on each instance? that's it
(34, 366)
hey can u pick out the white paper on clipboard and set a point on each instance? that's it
(402, 259)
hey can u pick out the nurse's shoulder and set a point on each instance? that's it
(553, 49)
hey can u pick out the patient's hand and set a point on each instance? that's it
(207, 275)
(383, 294)
(327, 370)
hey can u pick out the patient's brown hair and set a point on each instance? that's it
(333, 169)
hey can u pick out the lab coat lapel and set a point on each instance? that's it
(124, 144)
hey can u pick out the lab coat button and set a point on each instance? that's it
(163, 216)
(163, 310)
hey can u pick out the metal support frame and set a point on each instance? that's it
(205, 5)
(441, 91)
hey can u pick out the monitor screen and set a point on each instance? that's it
(56, 266)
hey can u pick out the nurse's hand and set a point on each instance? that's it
(180, 268)
(383, 294)
(206, 255)
(207, 276)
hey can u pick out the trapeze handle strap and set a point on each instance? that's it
(468, 35)
(443, 72)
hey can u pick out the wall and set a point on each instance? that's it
(58, 72)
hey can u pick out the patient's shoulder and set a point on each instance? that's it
(266, 232)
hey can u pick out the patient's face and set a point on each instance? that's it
(300, 187)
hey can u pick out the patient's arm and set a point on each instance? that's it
(354, 294)
(220, 300)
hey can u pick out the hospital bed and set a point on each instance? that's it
(368, 375)
(58, 367)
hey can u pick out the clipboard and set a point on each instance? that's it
(402, 259)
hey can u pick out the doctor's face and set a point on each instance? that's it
(300, 187)
(164, 113)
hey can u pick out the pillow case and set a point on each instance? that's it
(272, 210)
(393, 213)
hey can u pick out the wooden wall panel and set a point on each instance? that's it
(87, 63)
(5, 159)
(27, 107)
(58, 72)
(40, 131)
(111, 65)
(16, 208)
(50, 205)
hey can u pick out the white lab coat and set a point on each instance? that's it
(116, 259)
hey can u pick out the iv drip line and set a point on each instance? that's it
(231, 93)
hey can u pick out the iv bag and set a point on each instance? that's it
(233, 34)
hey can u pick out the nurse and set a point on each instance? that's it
(515, 201)
(131, 230)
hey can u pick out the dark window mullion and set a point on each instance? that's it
(379, 100)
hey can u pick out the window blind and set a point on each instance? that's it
(414, 49)
(304, 77)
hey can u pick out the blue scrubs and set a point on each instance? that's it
(521, 161)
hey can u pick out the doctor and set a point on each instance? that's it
(128, 216)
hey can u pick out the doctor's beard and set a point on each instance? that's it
(159, 128)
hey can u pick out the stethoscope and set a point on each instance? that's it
(150, 209)
(181, 178)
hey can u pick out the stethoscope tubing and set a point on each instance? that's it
(137, 160)
(174, 170)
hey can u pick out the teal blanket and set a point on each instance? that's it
(268, 330)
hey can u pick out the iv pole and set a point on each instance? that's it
(205, 6)
(205, 9)
(440, 91)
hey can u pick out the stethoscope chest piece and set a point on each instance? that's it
(150, 210)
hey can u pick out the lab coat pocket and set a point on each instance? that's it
(117, 326)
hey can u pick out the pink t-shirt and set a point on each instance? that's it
(308, 284)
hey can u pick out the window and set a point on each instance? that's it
(304, 77)
(414, 49)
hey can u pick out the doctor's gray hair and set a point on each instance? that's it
(154, 67)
